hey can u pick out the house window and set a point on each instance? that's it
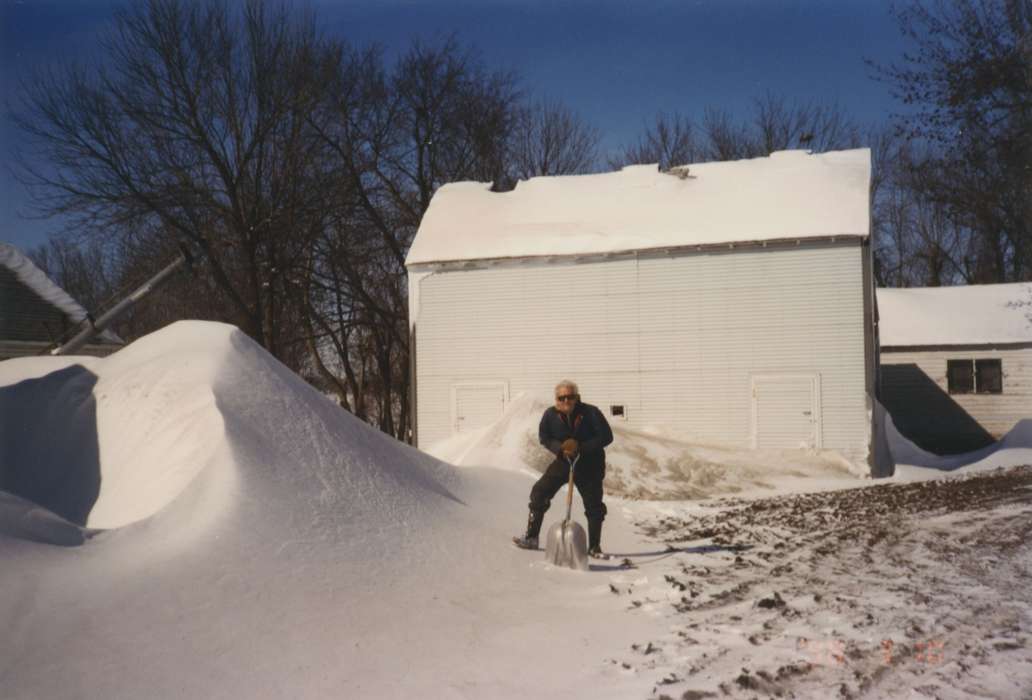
(960, 375)
(971, 376)
(617, 412)
(989, 376)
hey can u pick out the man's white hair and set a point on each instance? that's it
(566, 383)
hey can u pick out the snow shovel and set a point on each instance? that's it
(567, 543)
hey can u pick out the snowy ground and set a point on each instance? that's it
(249, 539)
(903, 590)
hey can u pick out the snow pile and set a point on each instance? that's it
(962, 315)
(296, 552)
(650, 464)
(914, 464)
(511, 442)
(787, 195)
(655, 465)
(142, 427)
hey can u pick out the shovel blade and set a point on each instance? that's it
(567, 546)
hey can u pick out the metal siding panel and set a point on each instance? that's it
(674, 339)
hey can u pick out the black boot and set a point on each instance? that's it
(530, 540)
(595, 536)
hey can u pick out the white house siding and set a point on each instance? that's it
(915, 391)
(675, 339)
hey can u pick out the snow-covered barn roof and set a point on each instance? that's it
(788, 195)
(36, 280)
(966, 315)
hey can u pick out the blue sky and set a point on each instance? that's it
(616, 63)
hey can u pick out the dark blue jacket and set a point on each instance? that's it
(586, 425)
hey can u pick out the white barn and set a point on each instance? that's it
(731, 303)
(956, 362)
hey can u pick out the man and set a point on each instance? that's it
(571, 428)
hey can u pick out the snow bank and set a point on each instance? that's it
(24, 519)
(142, 423)
(650, 464)
(655, 465)
(788, 195)
(306, 555)
(962, 315)
(192, 397)
(914, 464)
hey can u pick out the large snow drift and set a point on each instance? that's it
(913, 463)
(286, 549)
(137, 427)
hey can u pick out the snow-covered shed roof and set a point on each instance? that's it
(36, 280)
(787, 195)
(964, 315)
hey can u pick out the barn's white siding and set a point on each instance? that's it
(915, 391)
(676, 339)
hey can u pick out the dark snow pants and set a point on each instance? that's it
(586, 477)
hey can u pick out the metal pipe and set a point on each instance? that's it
(94, 328)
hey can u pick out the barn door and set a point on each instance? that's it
(786, 411)
(477, 404)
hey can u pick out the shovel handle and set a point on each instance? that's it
(569, 488)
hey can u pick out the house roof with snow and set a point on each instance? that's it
(965, 315)
(789, 195)
(17, 317)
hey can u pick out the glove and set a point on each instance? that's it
(570, 447)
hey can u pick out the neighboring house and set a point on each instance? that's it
(35, 313)
(956, 362)
(730, 303)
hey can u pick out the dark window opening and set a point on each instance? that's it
(960, 376)
(617, 411)
(975, 376)
(989, 376)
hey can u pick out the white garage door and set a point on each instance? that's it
(786, 411)
(477, 405)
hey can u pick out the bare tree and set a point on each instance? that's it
(890, 205)
(782, 126)
(193, 128)
(396, 134)
(550, 139)
(727, 139)
(669, 140)
(773, 125)
(300, 167)
(968, 75)
(918, 241)
(453, 121)
(86, 272)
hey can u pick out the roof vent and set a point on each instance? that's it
(679, 171)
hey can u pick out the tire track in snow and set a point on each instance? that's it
(871, 592)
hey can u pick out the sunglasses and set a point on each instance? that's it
(566, 397)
